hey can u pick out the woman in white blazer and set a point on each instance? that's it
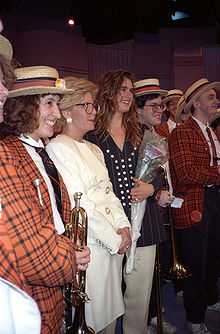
(83, 169)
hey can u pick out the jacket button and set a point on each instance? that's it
(107, 210)
(107, 190)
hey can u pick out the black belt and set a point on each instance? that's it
(213, 187)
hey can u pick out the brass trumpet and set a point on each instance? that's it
(76, 229)
(177, 270)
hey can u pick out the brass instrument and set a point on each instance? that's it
(78, 222)
(177, 270)
(158, 292)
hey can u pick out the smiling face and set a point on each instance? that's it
(206, 105)
(48, 114)
(82, 120)
(149, 116)
(172, 107)
(3, 94)
(125, 96)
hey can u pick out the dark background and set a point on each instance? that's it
(111, 21)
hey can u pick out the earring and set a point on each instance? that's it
(69, 120)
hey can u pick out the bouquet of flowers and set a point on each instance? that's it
(152, 153)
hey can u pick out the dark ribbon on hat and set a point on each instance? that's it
(40, 81)
(195, 91)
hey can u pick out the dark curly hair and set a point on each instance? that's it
(109, 85)
(8, 73)
(142, 99)
(21, 115)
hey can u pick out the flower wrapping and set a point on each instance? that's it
(152, 153)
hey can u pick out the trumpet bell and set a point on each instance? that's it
(83, 329)
(177, 271)
(79, 325)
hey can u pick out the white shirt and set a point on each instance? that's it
(39, 163)
(171, 125)
(19, 313)
(216, 141)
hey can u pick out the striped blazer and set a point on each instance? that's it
(163, 130)
(190, 171)
(46, 259)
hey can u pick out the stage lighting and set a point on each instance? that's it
(179, 16)
(71, 22)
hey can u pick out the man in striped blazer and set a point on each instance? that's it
(195, 171)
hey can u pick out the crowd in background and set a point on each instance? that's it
(71, 135)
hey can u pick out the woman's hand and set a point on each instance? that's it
(83, 258)
(165, 198)
(126, 240)
(142, 191)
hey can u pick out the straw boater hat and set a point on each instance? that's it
(38, 80)
(196, 90)
(5, 48)
(180, 107)
(215, 119)
(173, 94)
(148, 86)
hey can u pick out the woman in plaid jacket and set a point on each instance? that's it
(46, 257)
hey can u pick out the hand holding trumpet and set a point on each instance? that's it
(83, 258)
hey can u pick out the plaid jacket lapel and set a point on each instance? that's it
(31, 172)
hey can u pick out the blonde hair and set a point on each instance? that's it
(81, 87)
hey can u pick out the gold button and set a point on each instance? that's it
(107, 190)
(107, 210)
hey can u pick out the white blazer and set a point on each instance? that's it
(83, 169)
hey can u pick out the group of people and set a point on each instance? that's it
(72, 135)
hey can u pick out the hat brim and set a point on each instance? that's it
(161, 92)
(213, 85)
(38, 90)
(6, 48)
(170, 98)
(179, 112)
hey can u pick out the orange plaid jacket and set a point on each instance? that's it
(9, 268)
(190, 170)
(46, 259)
(162, 130)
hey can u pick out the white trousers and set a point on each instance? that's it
(110, 329)
(138, 291)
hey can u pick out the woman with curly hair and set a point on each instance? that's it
(118, 133)
(35, 201)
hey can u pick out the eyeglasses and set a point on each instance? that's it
(88, 107)
(173, 103)
(155, 107)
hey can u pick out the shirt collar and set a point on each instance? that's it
(202, 125)
(27, 139)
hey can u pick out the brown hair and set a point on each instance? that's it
(21, 115)
(142, 99)
(8, 73)
(109, 85)
(81, 87)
